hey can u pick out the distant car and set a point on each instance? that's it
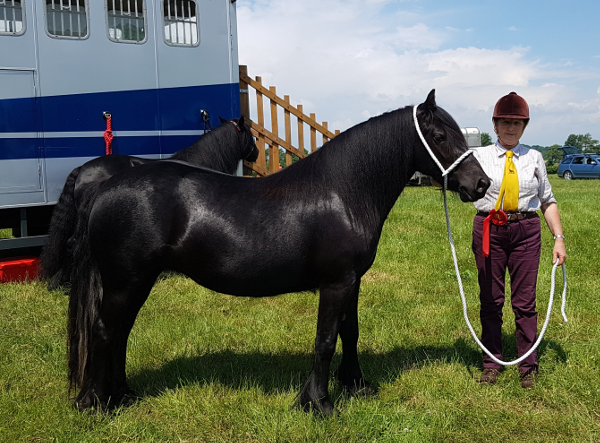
(579, 166)
(569, 150)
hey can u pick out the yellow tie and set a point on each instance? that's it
(509, 189)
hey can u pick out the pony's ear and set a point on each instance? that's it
(222, 120)
(430, 101)
(241, 121)
(425, 110)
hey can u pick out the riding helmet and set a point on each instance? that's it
(512, 106)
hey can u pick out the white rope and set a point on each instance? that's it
(464, 301)
(445, 173)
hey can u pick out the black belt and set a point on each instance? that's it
(513, 216)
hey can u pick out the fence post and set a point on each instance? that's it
(313, 134)
(244, 95)
(260, 140)
(245, 107)
(288, 130)
(274, 147)
(300, 130)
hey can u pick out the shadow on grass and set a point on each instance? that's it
(282, 372)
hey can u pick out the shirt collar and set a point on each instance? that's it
(501, 150)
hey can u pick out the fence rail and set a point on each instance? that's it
(268, 141)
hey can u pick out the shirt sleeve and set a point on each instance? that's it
(545, 193)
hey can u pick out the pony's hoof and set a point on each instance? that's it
(320, 408)
(87, 401)
(365, 389)
(91, 401)
(129, 398)
(358, 387)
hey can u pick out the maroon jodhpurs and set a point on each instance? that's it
(515, 246)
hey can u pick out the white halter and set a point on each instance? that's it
(445, 173)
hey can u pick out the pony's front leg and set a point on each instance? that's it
(332, 303)
(349, 373)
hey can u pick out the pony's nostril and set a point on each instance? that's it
(483, 184)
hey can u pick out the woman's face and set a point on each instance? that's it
(509, 131)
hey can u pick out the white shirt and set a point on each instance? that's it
(534, 187)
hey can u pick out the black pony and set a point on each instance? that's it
(215, 229)
(221, 150)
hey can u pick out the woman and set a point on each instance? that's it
(507, 235)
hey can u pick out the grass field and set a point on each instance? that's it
(215, 368)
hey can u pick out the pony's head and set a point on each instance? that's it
(447, 144)
(250, 151)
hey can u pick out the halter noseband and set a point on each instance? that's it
(445, 172)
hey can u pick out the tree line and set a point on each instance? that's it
(553, 154)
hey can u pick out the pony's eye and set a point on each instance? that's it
(439, 138)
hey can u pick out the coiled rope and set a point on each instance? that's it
(445, 173)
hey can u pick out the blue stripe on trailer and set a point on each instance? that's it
(131, 110)
(16, 115)
(95, 146)
(149, 109)
(12, 148)
(170, 109)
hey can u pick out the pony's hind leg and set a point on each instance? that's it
(332, 303)
(107, 386)
(349, 373)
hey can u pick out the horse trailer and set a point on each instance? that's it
(472, 136)
(161, 71)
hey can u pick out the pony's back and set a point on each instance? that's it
(221, 150)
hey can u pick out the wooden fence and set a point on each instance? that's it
(269, 141)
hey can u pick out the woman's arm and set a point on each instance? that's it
(552, 217)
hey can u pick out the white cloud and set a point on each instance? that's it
(349, 60)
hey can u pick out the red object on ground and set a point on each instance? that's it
(18, 269)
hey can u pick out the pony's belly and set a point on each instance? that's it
(243, 286)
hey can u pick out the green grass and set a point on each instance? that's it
(215, 368)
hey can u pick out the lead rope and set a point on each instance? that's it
(445, 173)
(464, 301)
(108, 134)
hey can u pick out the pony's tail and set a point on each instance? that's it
(85, 299)
(56, 258)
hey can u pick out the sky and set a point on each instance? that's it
(349, 60)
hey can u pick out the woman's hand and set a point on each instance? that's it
(559, 252)
(552, 217)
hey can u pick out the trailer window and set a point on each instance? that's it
(180, 22)
(67, 18)
(126, 20)
(11, 17)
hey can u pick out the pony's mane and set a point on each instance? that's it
(219, 149)
(375, 155)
